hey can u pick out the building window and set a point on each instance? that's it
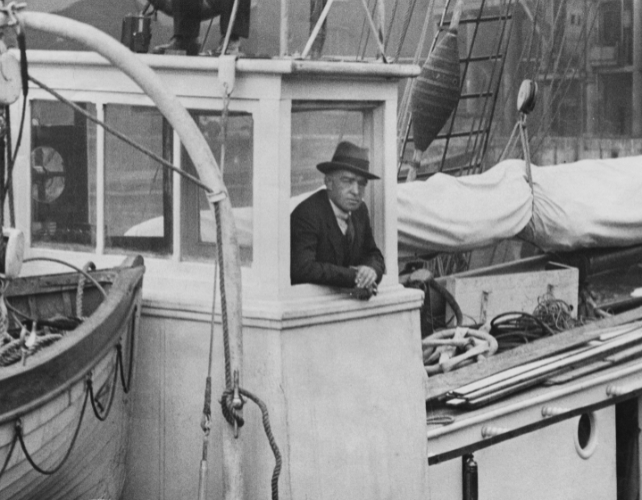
(138, 190)
(63, 176)
(198, 233)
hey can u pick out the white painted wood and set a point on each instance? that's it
(481, 298)
(100, 180)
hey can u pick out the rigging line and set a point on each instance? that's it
(406, 24)
(525, 61)
(463, 80)
(404, 118)
(230, 26)
(363, 29)
(13, 158)
(485, 123)
(122, 137)
(575, 52)
(374, 8)
(75, 268)
(207, 34)
(534, 21)
(544, 128)
(544, 45)
(403, 113)
(509, 7)
(393, 15)
(8, 155)
(24, 76)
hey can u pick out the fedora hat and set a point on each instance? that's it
(350, 157)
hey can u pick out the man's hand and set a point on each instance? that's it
(366, 277)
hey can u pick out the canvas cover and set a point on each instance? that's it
(451, 214)
(587, 204)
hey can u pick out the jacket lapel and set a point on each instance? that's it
(334, 232)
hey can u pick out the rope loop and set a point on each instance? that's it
(10, 11)
(231, 412)
(56, 468)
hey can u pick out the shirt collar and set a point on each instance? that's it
(339, 213)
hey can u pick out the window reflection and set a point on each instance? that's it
(138, 190)
(63, 175)
(198, 228)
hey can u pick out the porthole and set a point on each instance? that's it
(586, 435)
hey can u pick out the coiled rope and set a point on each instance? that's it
(515, 328)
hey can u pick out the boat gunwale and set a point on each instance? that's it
(95, 338)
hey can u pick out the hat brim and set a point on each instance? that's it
(330, 166)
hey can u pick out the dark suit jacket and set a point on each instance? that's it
(319, 252)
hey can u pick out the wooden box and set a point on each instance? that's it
(485, 293)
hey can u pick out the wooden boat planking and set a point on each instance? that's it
(51, 390)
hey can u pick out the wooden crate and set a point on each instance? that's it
(517, 286)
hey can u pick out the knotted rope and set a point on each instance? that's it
(453, 348)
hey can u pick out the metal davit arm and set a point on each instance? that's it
(207, 169)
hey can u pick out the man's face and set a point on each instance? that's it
(346, 189)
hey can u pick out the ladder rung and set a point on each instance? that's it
(481, 58)
(477, 95)
(482, 19)
(461, 134)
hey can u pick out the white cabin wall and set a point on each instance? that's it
(542, 464)
(344, 399)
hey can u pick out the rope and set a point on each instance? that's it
(84, 273)
(122, 137)
(8, 457)
(89, 395)
(10, 11)
(119, 353)
(102, 414)
(515, 328)
(89, 266)
(268, 432)
(231, 401)
(453, 348)
(555, 313)
(15, 351)
(48, 472)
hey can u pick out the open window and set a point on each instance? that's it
(317, 128)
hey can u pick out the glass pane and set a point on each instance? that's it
(198, 227)
(138, 190)
(316, 131)
(63, 176)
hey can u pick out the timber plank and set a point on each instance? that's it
(440, 385)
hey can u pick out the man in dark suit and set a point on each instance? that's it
(331, 237)
(188, 14)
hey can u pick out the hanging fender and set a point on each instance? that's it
(209, 8)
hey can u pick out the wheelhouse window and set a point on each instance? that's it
(198, 233)
(63, 176)
(317, 128)
(138, 189)
(94, 192)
